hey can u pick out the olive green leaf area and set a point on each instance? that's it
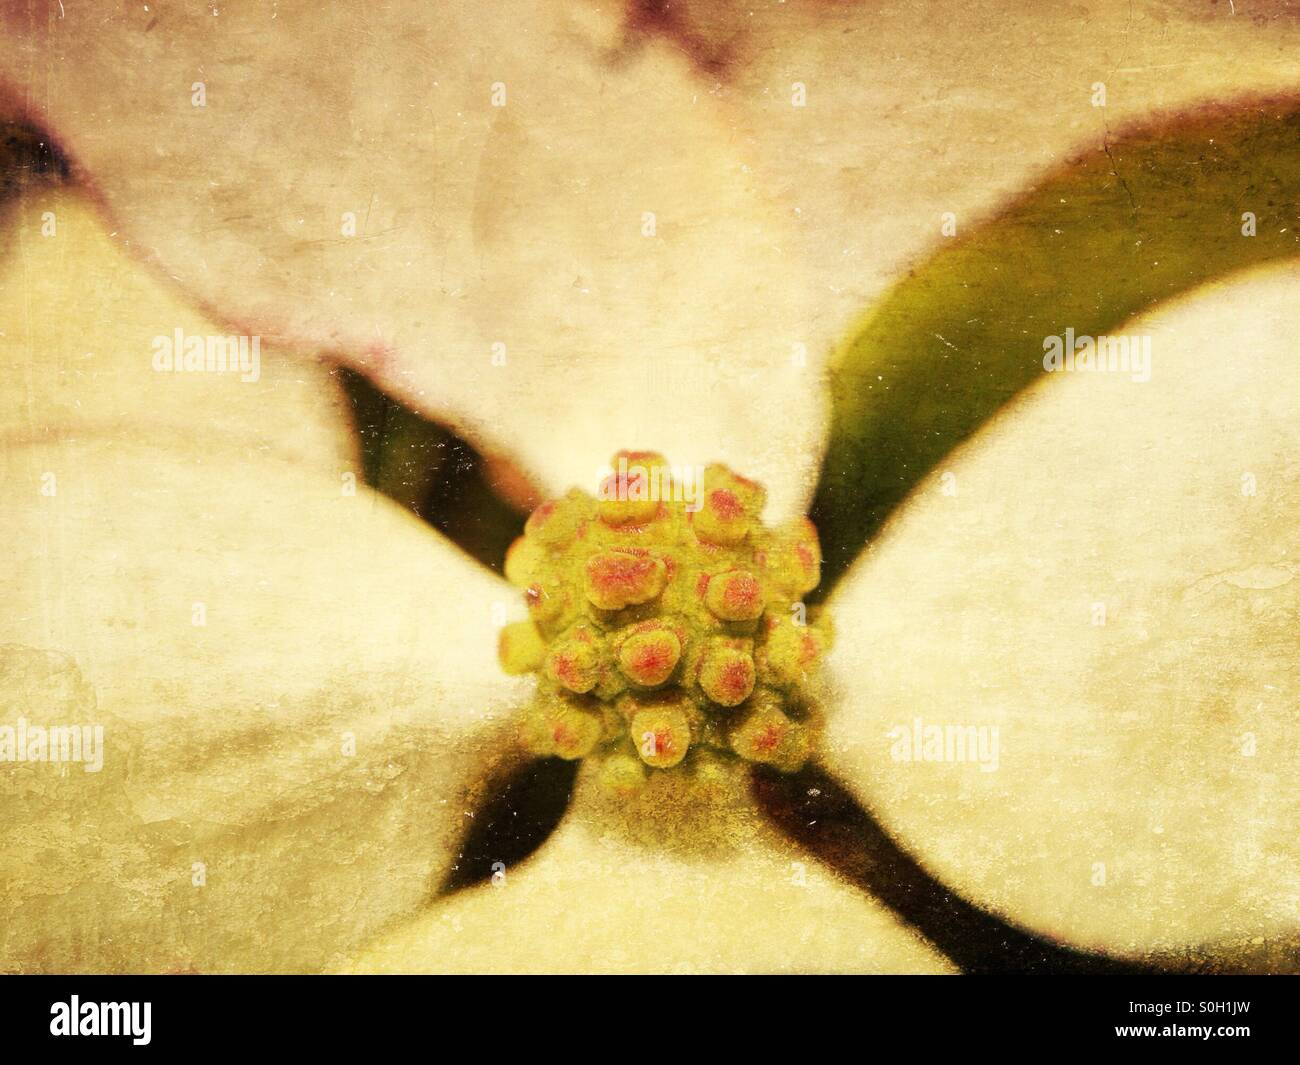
(1152, 212)
(431, 471)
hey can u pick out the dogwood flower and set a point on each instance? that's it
(298, 682)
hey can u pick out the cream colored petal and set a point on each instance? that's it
(295, 682)
(586, 267)
(657, 898)
(1105, 581)
(917, 110)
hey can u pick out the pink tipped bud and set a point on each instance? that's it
(735, 596)
(617, 579)
(727, 674)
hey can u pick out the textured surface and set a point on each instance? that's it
(1125, 811)
(599, 232)
(1097, 588)
(666, 623)
(309, 744)
(613, 893)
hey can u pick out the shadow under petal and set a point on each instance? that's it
(440, 477)
(27, 159)
(817, 812)
(521, 808)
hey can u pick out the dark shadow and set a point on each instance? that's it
(814, 810)
(431, 471)
(522, 809)
(26, 158)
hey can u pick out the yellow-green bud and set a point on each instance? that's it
(731, 507)
(521, 648)
(648, 658)
(622, 774)
(791, 653)
(556, 725)
(727, 672)
(795, 559)
(575, 660)
(631, 494)
(658, 630)
(735, 596)
(766, 735)
(661, 732)
(615, 579)
(559, 520)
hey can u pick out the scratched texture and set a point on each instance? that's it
(670, 253)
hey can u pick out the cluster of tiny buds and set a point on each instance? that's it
(665, 636)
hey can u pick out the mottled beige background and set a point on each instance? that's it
(774, 226)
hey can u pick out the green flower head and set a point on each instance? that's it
(667, 627)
